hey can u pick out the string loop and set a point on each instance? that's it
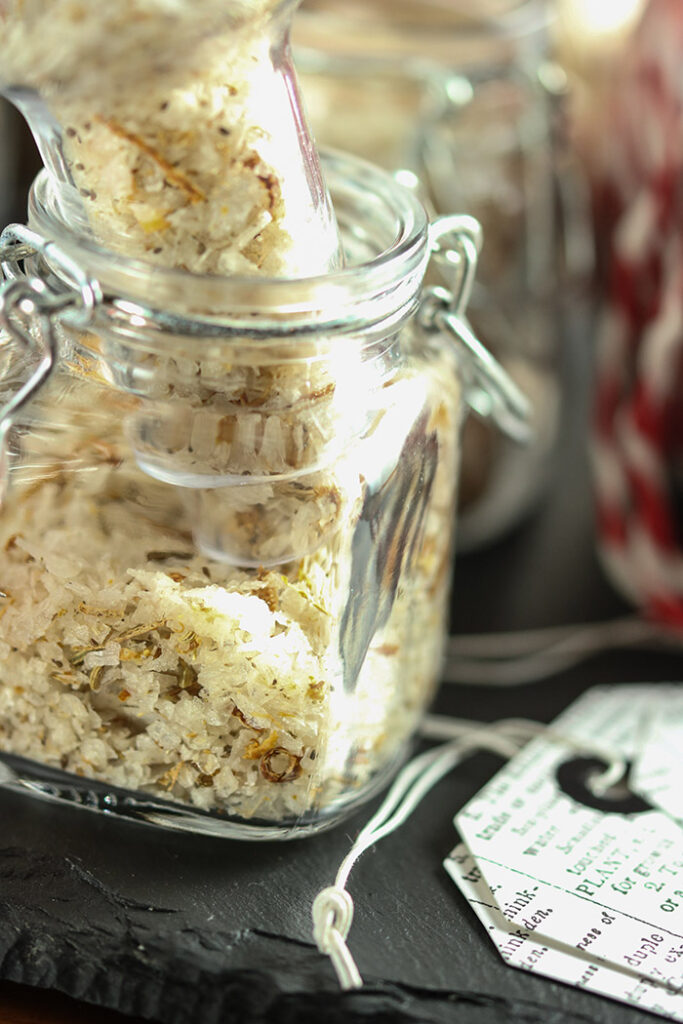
(332, 917)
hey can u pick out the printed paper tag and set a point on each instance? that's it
(580, 884)
(657, 766)
(522, 944)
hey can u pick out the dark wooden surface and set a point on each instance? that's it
(20, 1004)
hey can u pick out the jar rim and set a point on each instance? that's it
(369, 287)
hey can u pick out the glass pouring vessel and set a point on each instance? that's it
(174, 132)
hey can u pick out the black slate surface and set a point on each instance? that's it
(182, 929)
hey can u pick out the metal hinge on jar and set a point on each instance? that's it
(30, 308)
(455, 242)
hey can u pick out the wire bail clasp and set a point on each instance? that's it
(455, 242)
(29, 309)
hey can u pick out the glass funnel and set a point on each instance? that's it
(174, 131)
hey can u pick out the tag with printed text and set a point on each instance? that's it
(587, 896)
(657, 769)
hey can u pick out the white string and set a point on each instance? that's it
(333, 906)
(526, 656)
(528, 641)
(441, 727)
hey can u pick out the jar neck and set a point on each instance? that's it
(384, 228)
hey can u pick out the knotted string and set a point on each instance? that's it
(333, 906)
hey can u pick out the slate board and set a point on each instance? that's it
(181, 929)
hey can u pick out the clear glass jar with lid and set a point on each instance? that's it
(462, 97)
(227, 518)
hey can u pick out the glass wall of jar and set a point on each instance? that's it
(227, 521)
(454, 94)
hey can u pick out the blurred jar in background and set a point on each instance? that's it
(594, 41)
(458, 99)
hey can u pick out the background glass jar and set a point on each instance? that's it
(225, 540)
(459, 98)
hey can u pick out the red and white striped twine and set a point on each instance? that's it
(638, 422)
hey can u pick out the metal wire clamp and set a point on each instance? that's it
(30, 308)
(455, 243)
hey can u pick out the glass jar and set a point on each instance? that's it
(227, 522)
(461, 100)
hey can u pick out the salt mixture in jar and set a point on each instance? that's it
(230, 457)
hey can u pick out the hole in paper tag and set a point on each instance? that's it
(575, 779)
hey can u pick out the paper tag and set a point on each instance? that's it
(579, 880)
(527, 948)
(657, 766)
